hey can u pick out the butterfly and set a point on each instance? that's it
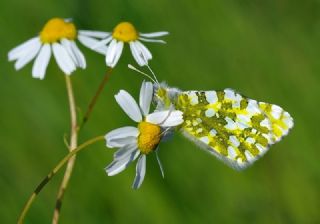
(234, 128)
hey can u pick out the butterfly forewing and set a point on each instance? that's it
(236, 129)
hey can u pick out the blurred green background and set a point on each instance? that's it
(268, 50)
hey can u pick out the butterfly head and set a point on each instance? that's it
(164, 95)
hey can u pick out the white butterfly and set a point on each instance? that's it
(234, 128)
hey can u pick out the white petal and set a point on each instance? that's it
(118, 166)
(146, 93)
(152, 40)
(81, 61)
(140, 172)
(158, 117)
(137, 54)
(67, 46)
(146, 53)
(63, 59)
(111, 51)
(89, 42)
(28, 56)
(121, 142)
(124, 151)
(129, 105)
(97, 34)
(175, 118)
(41, 63)
(155, 34)
(74, 53)
(166, 118)
(102, 43)
(119, 136)
(114, 52)
(21, 50)
(122, 132)
(118, 53)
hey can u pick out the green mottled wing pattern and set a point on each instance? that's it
(236, 129)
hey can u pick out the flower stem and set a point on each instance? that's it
(52, 173)
(96, 96)
(72, 146)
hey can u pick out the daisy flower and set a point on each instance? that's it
(137, 142)
(125, 32)
(58, 37)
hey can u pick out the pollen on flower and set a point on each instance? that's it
(56, 29)
(125, 32)
(149, 137)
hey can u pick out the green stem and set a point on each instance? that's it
(52, 173)
(96, 96)
(72, 146)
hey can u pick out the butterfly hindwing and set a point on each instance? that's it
(236, 129)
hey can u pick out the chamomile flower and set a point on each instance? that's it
(123, 33)
(58, 38)
(138, 142)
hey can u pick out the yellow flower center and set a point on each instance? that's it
(149, 137)
(125, 32)
(57, 29)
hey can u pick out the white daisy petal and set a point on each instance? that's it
(111, 52)
(114, 53)
(121, 136)
(67, 46)
(124, 151)
(129, 105)
(89, 42)
(20, 50)
(155, 34)
(118, 54)
(146, 93)
(81, 61)
(121, 142)
(27, 57)
(166, 118)
(175, 118)
(137, 54)
(146, 53)
(96, 34)
(102, 43)
(157, 117)
(74, 52)
(122, 132)
(152, 40)
(63, 59)
(41, 63)
(118, 166)
(140, 172)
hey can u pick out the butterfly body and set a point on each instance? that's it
(236, 129)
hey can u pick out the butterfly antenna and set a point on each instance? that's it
(155, 77)
(142, 73)
(147, 64)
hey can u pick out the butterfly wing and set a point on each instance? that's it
(234, 128)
